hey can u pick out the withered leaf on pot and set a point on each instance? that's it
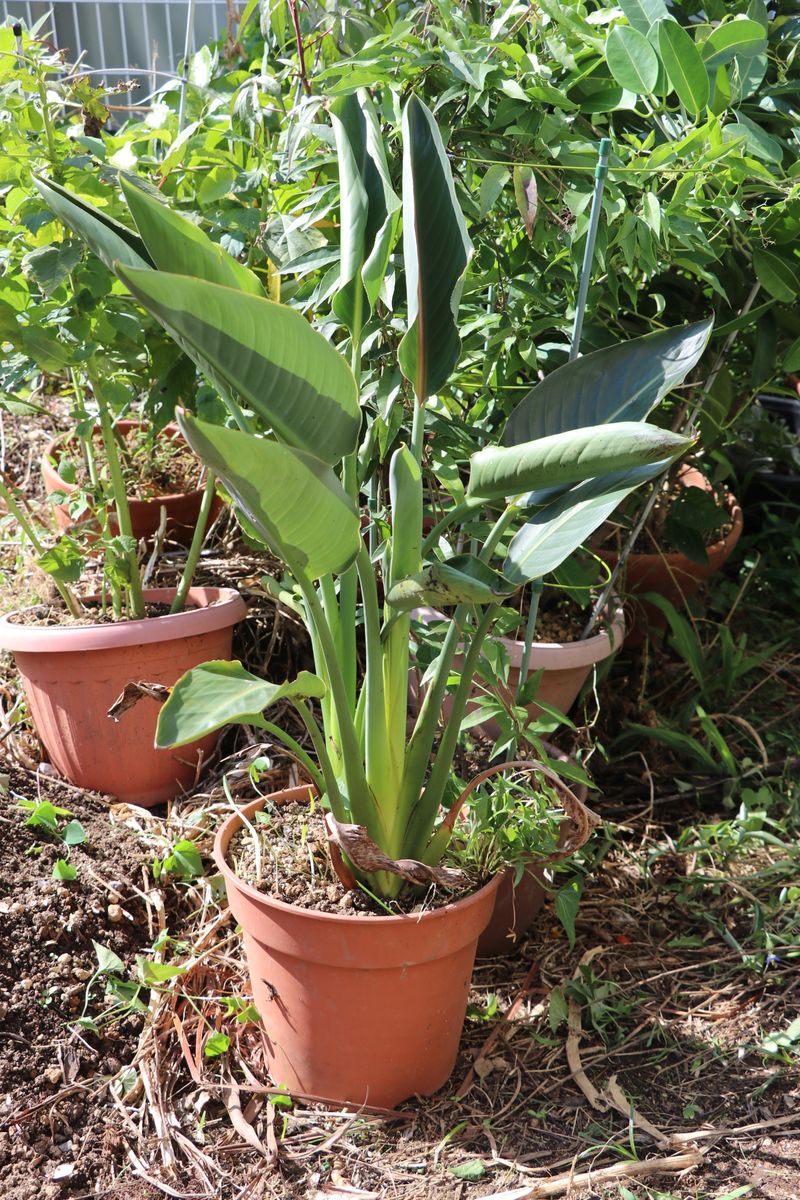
(364, 854)
(132, 693)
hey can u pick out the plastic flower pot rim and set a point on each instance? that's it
(211, 609)
(297, 795)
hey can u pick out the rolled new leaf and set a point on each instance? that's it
(294, 501)
(264, 352)
(108, 238)
(369, 208)
(618, 383)
(182, 248)
(221, 693)
(436, 251)
(570, 457)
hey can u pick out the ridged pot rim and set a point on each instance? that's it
(129, 423)
(552, 655)
(214, 609)
(334, 920)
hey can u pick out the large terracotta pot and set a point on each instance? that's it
(672, 575)
(357, 1009)
(566, 667)
(516, 908)
(72, 675)
(183, 508)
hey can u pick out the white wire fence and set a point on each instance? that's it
(123, 39)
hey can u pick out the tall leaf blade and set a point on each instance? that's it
(436, 251)
(619, 383)
(632, 60)
(221, 693)
(561, 526)
(109, 239)
(178, 246)
(569, 457)
(684, 66)
(370, 209)
(294, 501)
(265, 352)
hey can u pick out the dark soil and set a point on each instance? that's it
(59, 1132)
(560, 618)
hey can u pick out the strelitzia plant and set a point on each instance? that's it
(574, 448)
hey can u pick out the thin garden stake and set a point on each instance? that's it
(602, 599)
(600, 175)
(187, 48)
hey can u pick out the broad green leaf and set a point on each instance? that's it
(684, 66)
(758, 142)
(472, 1170)
(293, 500)
(436, 251)
(107, 961)
(791, 359)
(215, 1045)
(526, 193)
(742, 38)
(570, 457)
(462, 579)
(178, 246)
(642, 14)
(778, 274)
(223, 693)
(561, 526)
(566, 904)
(151, 972)
(265, 352)
(64, 871)
(632, 60)
(370, 209)
(619, 383)
(109, 239)
(74, 834)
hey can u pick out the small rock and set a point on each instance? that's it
(53, 1075)
(115, 913)
(64, 1171)
(17, 908)
(3, 1010)
(82, 972)
(25, 984)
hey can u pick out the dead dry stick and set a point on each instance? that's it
(624, 1170)
(612, 1096)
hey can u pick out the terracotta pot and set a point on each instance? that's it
(566, 667)
(516, 908)
(72, 674)
(673, 575)
(357, 1009)
(183, 508)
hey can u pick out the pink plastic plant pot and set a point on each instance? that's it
(357, 1009)
(71, 675)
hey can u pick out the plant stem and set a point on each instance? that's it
(331, 788)
(282, 736)
(198, 537)
(48, 124)
(601, 171)
(27, 528)
(136, 599)
(533, 612)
